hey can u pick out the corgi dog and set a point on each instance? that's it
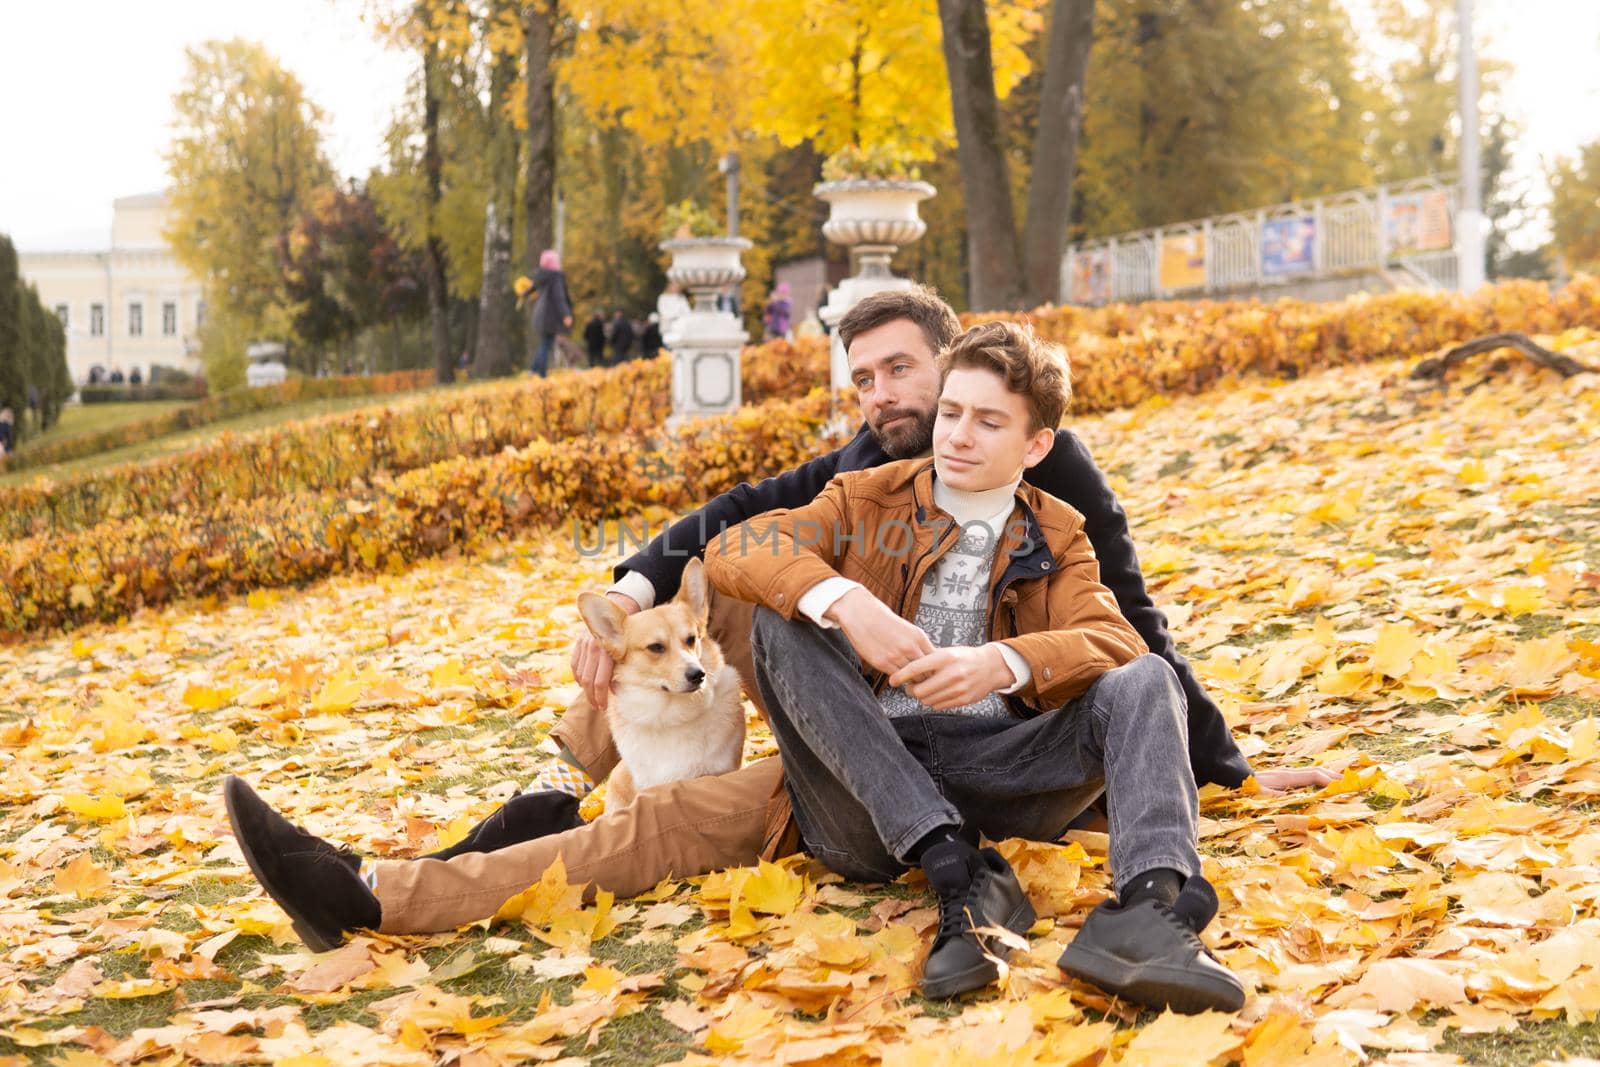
(675, 710)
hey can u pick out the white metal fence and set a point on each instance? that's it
(1408, 227)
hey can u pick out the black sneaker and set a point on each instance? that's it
(525, 817)
(1152, 955)
(319, 885)
(976, 889)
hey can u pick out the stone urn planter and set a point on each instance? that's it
(872, 217)
(705, 265)
(705, 343)
(266, 364)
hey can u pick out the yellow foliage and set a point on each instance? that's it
(100, 809)
(1437, 884)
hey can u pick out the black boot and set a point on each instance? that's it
(1152, 954)
(524, 817)
(976, 889)
(319, 885)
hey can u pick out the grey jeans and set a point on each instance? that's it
(867, 787)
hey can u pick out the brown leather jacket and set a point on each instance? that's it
(881, 527)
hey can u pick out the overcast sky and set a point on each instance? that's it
(87, 86)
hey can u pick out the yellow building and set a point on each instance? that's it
(131, 306)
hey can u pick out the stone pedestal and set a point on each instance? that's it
(266, 364)
(872, 218)
(705, 343)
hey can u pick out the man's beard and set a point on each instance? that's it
(911, 437)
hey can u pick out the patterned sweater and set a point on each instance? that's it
(954, 605)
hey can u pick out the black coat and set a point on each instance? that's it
(1068, 473)
(554, 306)
(594, 338)
(621, 337)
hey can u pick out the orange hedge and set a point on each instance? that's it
(234, 545)
(379, 489)
(212, 409)
(1124, 354)
(339, 450)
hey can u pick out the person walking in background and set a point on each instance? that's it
(594, 339)
(778, 312)
(8, 432)
(552, 311)
(621, 337)
(650, 340)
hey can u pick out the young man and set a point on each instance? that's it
(708, 823)
(938, 657)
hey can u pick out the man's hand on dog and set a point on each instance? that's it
(883, 640)
(955, 677)
(591, 664)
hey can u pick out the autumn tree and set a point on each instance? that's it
(1418, 125)
(1201, 110)
(541, 39)
(33, 347)
(501, 37)
(245, 156)
(1004, 272)
(411, 190)
(432, 242)
(1575, 207)
(43, 355)
(345, 273)
(817, 76)
(13, 377)
(658, 90)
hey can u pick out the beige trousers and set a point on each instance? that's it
(678, 829)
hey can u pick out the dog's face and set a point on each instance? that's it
(664, 648)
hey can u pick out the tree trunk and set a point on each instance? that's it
(614, 169)
(996, 280)
(444, 364)
(539, 189)
(495, 300)
(469, 328)
(1055, 148)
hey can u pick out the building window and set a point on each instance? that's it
(169, 319)
(135, 320)
(63, 314)
(97, 320)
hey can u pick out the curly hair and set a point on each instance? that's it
(1037, 370)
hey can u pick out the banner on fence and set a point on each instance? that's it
(1091, 276)
(1183, 261)
(1419, 222)
(1288, 246)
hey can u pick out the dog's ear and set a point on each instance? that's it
(606, 621)
(693, 591)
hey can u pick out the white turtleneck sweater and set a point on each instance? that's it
(954, 607)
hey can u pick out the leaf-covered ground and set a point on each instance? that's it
(1400, 584)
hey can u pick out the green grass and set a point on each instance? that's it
(1530, 1042)
(1176, 465)
(79, 419)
